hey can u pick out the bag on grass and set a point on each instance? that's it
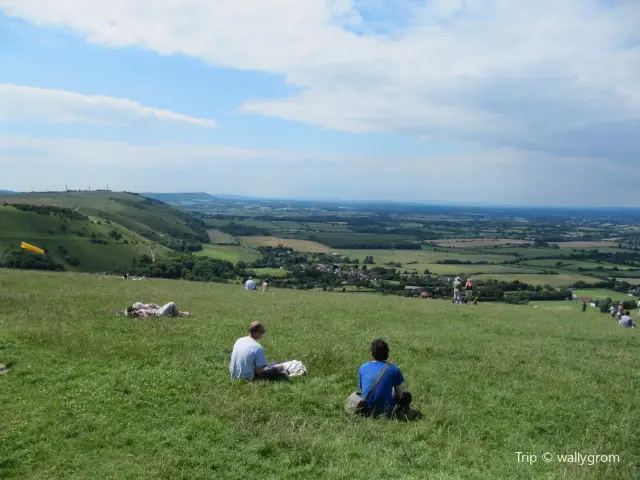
(355, 404)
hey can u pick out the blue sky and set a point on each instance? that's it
(444, 100)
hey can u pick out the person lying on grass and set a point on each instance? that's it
(248, 360)
(144, 310)
(387, 397)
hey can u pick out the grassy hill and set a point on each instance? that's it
(96, 244)
(97, 230)
(145, 216)
(92, 395)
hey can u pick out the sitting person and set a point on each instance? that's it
(145, 310)
(387, 396)
(250, 284)
(626, 321)
(248, 360)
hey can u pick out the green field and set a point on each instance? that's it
(91, 395)
(270, 272)
(231, 253)
(575, 264)
(561, 280)
(474, 269)
(423, 257)
(218, 237)
(298, 245)
(604, 293)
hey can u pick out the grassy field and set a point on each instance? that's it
(527, 252)
(586, 244)
(218, 237)
(299, 245)
(604, 293)
(231, 253)
(270, 272)
(422, 257)
(477, 242)
(575, 264)
(475, 269)
(91, 395)
(561, 280)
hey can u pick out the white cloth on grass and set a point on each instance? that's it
(294, 368)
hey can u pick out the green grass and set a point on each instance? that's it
(604, 293)
(231, 253)
(423, 257)
(91, 395)
(561, 280)
(558, 253)
(45, 231)
(219, 237)
(270, 272)
(574, 264)
(474, 269)
(139, 214)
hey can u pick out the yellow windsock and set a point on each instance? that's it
(28, 246)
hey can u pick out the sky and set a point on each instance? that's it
(456, 101)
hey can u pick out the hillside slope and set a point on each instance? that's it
(150, 218)
(78, 242)
(92, 395)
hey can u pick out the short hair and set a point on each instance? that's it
(130, 309)
(256, 327)
(380, 350)
(627, 312)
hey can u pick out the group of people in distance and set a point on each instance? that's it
(384, 396)
(251, 284)
(463, 297)
(624, 317)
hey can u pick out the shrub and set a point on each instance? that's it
(73, 261)
(17, 258)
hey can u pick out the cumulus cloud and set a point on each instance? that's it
(60, 106)
(558, 77)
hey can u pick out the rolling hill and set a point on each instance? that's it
(148, 217)
(96, 231)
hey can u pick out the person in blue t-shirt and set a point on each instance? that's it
(387, 397)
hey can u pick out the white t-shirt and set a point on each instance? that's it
(626, 321)
(246, 356)
(250, 285)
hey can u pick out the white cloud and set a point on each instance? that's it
(540, 75)
(494, 176)
(60, 106)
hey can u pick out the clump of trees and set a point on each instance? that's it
(188, 267)
(22, 259)
(49, 210)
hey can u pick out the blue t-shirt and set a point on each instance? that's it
(381, 398)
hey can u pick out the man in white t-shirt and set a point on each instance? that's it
(250, 284)
(248, 360)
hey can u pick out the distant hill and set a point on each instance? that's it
(181, 198)
(94, 231)
(148, 217)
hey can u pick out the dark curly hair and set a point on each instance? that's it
(380, 350)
